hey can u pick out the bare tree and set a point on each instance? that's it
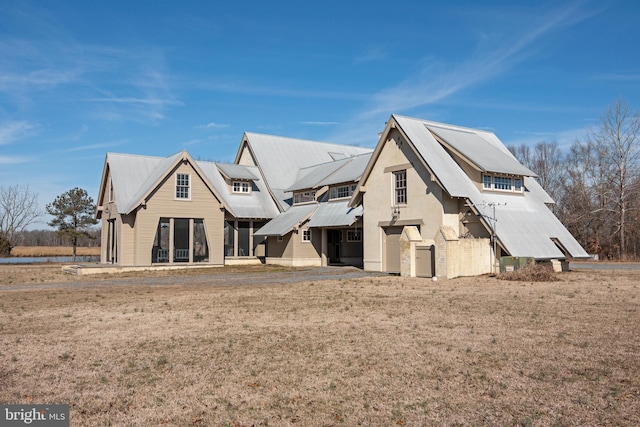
(617, 142)
(18, 209)
(548, 163)
(522, 152)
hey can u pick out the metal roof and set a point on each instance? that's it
(280, 158)
(287, 221)
(525, 226)
(233, 171)
(481, 151)
(345, 170)
(335, 214)
(256, 204)
(134, 176)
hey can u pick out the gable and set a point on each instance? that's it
(136, 177)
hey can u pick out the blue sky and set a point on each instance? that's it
(81, 78)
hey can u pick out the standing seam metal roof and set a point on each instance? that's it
(525, 225)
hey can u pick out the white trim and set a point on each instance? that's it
(243, 187)
(188, 186)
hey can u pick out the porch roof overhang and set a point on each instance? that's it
(335, 214)
(287, 221)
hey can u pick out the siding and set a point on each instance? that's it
(162, 203)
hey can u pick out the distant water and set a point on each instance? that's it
(40, 259)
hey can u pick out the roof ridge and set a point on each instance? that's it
(305, 140)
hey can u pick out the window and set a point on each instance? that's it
(242, 187)
(303, 197)
(517, 184)
(110, 190)
(354, 236)
(400, 178)
(306, 235)
(502, 183)
(486, 181)
(182, 186)
(341, 191)
(279, 238)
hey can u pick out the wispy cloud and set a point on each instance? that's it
(144, 101)
(12, 131)
(213, 125)
(565, 138)
(624, 77)
(101, 145)
(371, 55)
(438, 80)
(241, 87)
(314, 123)
(13, 160)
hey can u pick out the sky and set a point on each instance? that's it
(79, 79)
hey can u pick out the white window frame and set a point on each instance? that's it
(517, 185)
(241, 187)
(179, 193)
(354, 235)
(503, 183)
(400, 187)
(307, 235)
(487, 182)
(304, 197)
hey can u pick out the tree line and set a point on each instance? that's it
(73, 216)
(595, 183)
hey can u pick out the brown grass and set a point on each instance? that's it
(44, 251)
(373, 351)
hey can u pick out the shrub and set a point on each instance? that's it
(531, 273)
(5, 247)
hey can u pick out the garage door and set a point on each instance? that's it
(424, 261)
(392, 249)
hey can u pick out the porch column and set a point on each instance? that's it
(171, 242)
(190, 240)
(251, 239)
(235, 238)
(324, 247)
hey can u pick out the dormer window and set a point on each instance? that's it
(304, 197)
(502, 183)
(242, 187)
(341, 191)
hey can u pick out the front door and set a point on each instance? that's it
(335, 238)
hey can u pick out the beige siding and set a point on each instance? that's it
(246, 158)
(282, 249)
(311, 249)
(136, 231)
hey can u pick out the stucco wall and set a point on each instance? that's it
(426, 203)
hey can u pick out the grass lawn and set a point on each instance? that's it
(371, 351)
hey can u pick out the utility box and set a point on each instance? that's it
(513, 263)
